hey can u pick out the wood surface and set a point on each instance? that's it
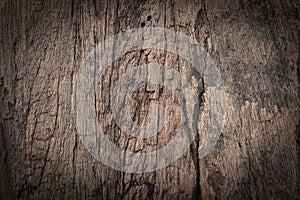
(255, 44)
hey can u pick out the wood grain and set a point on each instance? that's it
(255, 45)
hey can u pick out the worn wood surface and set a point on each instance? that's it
(254, 43)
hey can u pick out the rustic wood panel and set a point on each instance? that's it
(255, 44)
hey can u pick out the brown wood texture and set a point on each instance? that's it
(255, 44)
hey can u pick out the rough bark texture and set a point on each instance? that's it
(254, 43)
